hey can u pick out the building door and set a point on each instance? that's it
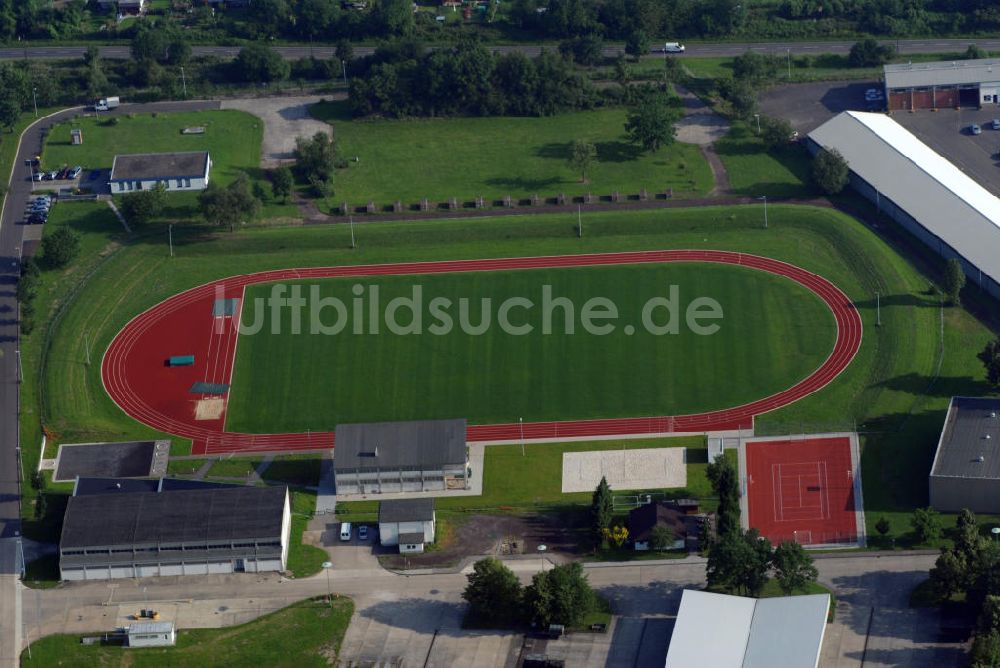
(239, 566)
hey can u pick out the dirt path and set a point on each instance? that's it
(719, 173)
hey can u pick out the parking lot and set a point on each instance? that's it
(807, 106)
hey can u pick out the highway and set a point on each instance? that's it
(694, 50)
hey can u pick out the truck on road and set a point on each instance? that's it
(107, 103)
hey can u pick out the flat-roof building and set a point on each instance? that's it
(922, 191)
(966, 468)
(174, 532)
(721, 631)
(175, 171)
(944, 84)
(381, 457)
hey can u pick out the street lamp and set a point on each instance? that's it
(329, 594)
(343, 68)
(757, 118)
(34, 101)
(184, 82)
(764, 197)
(995, 531)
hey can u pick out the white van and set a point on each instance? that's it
(345, 531)
(673, 47)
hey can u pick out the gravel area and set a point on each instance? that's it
(285, 118)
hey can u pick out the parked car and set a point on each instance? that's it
(874, 95)
(37, 219)
(363, 532)
(75, 172)
(996, 124)
(37, 176)
(51, 176)
(63, 174)
(975, 129)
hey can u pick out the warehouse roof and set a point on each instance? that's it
(736, 632)
(942, 73)
(971, 431)
(406, 510)
(934, 192)
(182, 516)
(389, 445)
(159, 165)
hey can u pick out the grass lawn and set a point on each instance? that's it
(531, 482)
(311, 381)
(236, 467)
(232, 138)
(303, 560)
(752, 171)
(308, 633)
(492, 157)
(887, 391)
(184, 466)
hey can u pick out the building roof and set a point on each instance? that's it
(183, 516)
(150, 627)
(414, 538)
(971, 430)
(736, 632)
(942, 73)
(926, 186)
(645, 518)
(406, 510)
(391, 445)
(145, 166)
(90, 486)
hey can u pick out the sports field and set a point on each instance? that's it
(773, 333)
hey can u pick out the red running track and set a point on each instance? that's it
(137, 379)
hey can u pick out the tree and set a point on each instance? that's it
(393, 17)
(494, 593)
(754, 67)
(990, 357)
(954, 281)
(829, 170)
(741, 95)
(616, 535)
(739, 562)
(315, 158)
(651, 123)
(230, 205)
(281, 182)
(975, 52)
(775, 132)
(10, 110)
(582, 156)
(725, 482)
(60, 247)
(968, 541)
(561, 595)
(793, 567)
(869, 53)
(601, 509)
(637, 44)
(141, 207)
(260, 64)
(949, 574)
(883, 527)
(662, 538)
(673, 71)
(926, 524)
(344, 51)
(584, 49)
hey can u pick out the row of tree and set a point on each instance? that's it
(496, 597)
(56, 251)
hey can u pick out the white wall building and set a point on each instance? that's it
(178, 172)
(408, 523)
(151, 634)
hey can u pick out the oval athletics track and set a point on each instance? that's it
(136, 376)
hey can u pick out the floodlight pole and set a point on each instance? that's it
(789, 54)
(343, 68)
(184, 82)
(350, 220)
(764, 197)
(520, 421)
(170, 237)
(878, 309)
(757, 117)
(86, 347)
(579, 222)
(34, 100)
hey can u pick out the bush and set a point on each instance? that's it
(869, 53)
(60, 247)
(830, 171)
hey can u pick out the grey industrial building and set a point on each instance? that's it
(383, 457)
(126, 534)
(966, 468)
(945, 84)
(922, 191)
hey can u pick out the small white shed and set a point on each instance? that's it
(408, 523)
(150, 634)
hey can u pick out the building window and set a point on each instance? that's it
(138, 185)
(180, 183)
(987, 98)
(187, 183)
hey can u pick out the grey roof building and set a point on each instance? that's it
(408, 523)
(382, 457)
(178, 532)
(175, 171)
(923, 192)
(942, 84)
(966, 468)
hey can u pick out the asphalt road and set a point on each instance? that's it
(904, 46)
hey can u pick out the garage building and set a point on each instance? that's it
(947, 84)
(383, 457)
(175, 532)
(922, 191)
(966, 468)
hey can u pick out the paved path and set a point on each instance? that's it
(708, 49)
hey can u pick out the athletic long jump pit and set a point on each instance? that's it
(804, 488)
(652, 468)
